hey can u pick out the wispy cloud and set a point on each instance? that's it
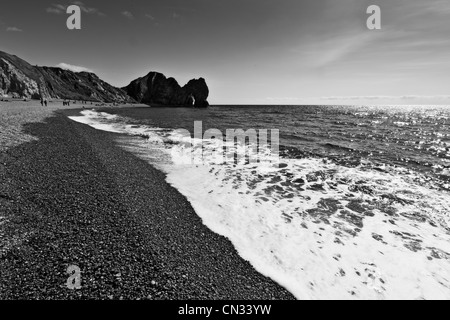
(153, 19)
(73, 68)
(441, 7)
(56, 9)
(335, 47)
(128, 15)
(13, 29)
(88, 10)
(285, 99)
(61, 9)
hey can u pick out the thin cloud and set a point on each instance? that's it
(88, 10)
(283, 99)
(56, 9)
(439, 97)
(128, 15)
(13, 29)
(66, 66)
(153, 19)
(61, 9)
(334, 48)
(441, 7)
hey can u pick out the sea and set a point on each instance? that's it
(354, 204)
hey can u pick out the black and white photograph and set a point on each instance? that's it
(226, 156)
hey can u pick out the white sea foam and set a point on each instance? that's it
(113, 123)
(321, 230)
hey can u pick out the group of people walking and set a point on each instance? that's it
(44, 102)
(67, 102)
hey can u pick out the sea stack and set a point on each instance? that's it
(156, 90)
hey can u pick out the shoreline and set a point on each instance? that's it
(98, 207)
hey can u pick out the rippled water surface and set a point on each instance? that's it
(359, 208)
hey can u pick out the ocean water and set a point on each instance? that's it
(358, 206)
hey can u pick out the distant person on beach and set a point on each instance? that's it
(42, 102)
(45, 102)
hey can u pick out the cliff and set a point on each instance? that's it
(157, 90)
(21, 80)
(80, 86)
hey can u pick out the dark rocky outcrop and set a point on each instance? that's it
(157, 90)
(21, 80)
(18, 78)
(80, 86)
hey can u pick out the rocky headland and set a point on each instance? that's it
(19, 79)
(157, 90)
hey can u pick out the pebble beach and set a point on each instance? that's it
(70, 197)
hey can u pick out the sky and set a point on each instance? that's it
(249, 51)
